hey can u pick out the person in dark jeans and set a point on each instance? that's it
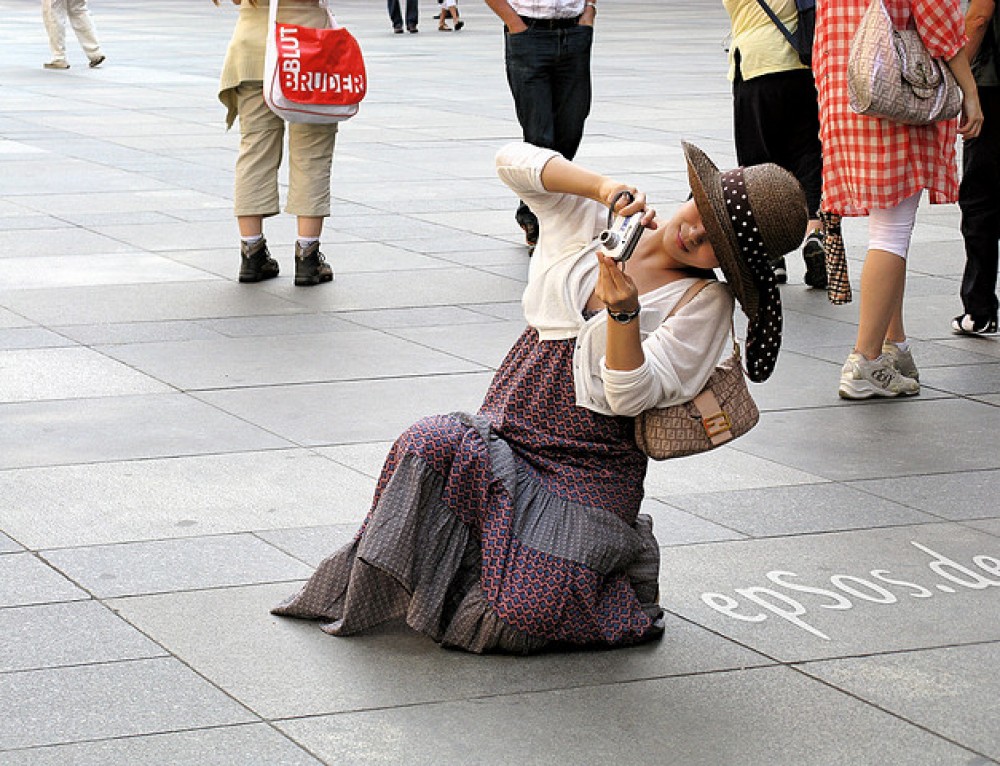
(397, 17)
(979, 193)
(548, 71)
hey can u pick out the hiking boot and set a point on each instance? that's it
(901, 360)
(815, 257)
(780, 271)
(256, 263)
(311, 267)
(97, 61)
(966, 324)
(862, 378)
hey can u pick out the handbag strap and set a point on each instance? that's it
(716, 422)
(688, 296)
(777, 22)
(272, 14)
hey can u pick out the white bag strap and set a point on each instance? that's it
(688, 296)
(272, 15)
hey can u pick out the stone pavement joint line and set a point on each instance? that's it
(178, 450)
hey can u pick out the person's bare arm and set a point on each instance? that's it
(977, 19)
(971, 121)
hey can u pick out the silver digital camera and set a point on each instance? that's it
(622, 233)
(621, 236)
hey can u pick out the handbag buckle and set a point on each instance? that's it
(716, 424)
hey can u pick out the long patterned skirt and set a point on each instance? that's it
(508, 530)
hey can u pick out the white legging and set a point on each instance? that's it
(890, 229)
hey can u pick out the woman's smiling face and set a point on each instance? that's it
(685, 239)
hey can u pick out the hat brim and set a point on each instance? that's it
(706, 187)
(755, 290)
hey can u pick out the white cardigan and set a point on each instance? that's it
(681, 353)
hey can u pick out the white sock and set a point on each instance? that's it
(305, 242)
(251, 241)
(903, 345)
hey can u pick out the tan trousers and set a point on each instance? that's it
(310, 156)
(54, 13)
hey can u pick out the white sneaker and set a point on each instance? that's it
(862, 378)
(901, 360)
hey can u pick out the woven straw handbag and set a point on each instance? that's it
(891, 75)
(723, 411)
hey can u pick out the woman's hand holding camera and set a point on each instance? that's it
(615, 289)
(627, 204)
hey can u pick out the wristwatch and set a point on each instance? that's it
(591, 4)
(624, 317)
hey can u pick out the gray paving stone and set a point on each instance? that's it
(178, 497)
(312, 544)
(269, 360)
(72, 633)
(284, 668)
(63, 241)
(8, 319)
(352, 410)
(253, 744)
(801, 509)
(8, 546)
(437, 287)
(30, 337)
(955, 496)
(139, 332)
(121, 428)
(366, 458)
(162, 566)
(25, 580)
(74, 270)
(968, 379)
(944, 690)
(140, 303)
(723, 469)
(283, 326)
(435, 316)
(38, 374)
(121, 699)
(676, 527)
(854, 440)
(488, 346)
(841, 594)
(769, 716)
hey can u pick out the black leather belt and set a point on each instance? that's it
(550, 23)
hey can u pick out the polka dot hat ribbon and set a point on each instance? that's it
(763, 335)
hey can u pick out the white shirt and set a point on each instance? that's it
(548, 9)
(681, 353)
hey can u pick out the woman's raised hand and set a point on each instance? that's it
(624, 206)
(615, 288)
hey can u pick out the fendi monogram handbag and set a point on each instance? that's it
(723, 411)
(890, 74)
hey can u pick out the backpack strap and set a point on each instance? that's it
(777, 22)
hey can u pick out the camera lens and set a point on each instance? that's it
(609, 239)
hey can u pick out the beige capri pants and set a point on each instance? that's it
(310, 157)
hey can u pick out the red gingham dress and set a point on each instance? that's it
(870, 163)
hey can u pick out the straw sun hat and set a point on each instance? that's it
(752, 215)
